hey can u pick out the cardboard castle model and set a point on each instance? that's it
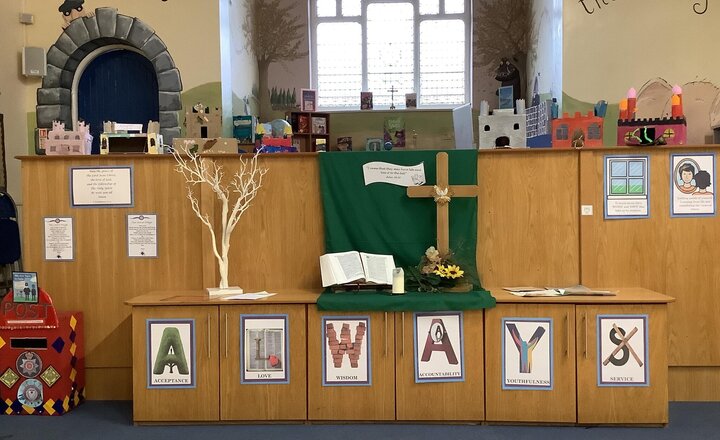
(539, 120)
(504, 128)
(577, 131)
(203, 122)
(204, 129)
(665, 130)
(75, 142)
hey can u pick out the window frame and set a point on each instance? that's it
(466, 17)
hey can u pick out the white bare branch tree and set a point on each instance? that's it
(235, 196)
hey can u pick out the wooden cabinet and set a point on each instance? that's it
(166, 404)
(623, 404)
(585, 389)
(443, 401)
(221, 392)
(359, 402)
(276, 401)
(308, 128)
(394, 394)
(554, 403)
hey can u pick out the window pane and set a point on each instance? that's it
(442, 62)
(390, 51)
(350, 8)
(454, 6)
(326, 8)
(429, 6)
(339, 55)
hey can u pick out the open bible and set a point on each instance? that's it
(356, 267)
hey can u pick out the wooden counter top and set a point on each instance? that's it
(200, 298)
(625, 295)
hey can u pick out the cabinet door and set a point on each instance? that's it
(341, 399)
(269, 382)
(530, 363)
(175, 364)
(462, 400)
(613, 390)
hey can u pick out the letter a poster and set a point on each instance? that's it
(171, 353)
(527, 354)
(622, 350)
(439, 347)
(346, 351)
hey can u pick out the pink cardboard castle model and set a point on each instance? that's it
(632, 131)
(61, 142)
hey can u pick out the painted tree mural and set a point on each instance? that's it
(273, 34)
(503, 29)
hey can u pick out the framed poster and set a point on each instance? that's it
(101, 187)
(692, 183)
(59, 238)
(170, 353)
(622, 359)
(627, 187)
(439, 347)
(308, 100)
(346, 351)
(142, 235)
(527, 353)
(264, 349)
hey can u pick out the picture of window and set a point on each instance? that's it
(626, 187)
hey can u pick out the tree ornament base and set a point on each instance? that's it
(221, 291)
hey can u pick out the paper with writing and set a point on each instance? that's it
(383, 172)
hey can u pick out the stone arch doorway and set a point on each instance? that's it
(83, 37)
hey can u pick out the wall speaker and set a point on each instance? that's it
(34, 61)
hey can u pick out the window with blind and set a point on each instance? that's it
(407, 46)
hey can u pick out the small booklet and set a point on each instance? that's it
(348, 267)
(533, 291)
(578, 290)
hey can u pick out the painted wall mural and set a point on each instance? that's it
(601, 64)
(273, 34)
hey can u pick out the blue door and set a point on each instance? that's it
(119, 86)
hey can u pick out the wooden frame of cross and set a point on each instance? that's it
(442, 193)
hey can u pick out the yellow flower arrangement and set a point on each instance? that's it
(435, 272)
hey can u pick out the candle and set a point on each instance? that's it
(632, 103)
(623, 109)
(398, 280)
(677, 110)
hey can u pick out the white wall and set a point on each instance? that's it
(629, 42)
(546, 55)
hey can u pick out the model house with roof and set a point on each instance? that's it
(577, 131)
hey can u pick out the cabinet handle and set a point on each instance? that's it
(586, 333)
(386, 334)
(402, 345)
(226, 336)
(567, 334)
(208, 333)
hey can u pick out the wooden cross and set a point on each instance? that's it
(442, 193)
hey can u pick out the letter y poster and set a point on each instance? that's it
(527, 354)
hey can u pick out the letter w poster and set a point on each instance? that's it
(527, 354)
(171, 353)
(346, 351)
